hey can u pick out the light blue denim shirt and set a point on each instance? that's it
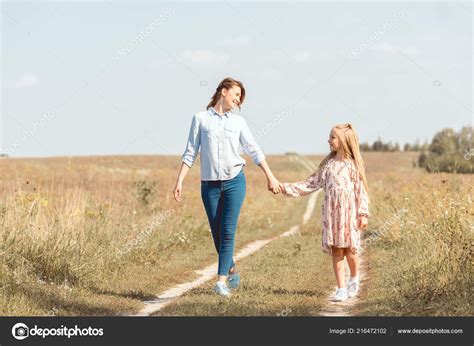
(218, 137)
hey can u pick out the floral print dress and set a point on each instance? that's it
(345, 199)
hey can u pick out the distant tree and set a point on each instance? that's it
(465, 139)
(377, 145)
(416, 146)
(449, 152)
(365, 147)
(422, 159)
(443, 142)
(407, 147)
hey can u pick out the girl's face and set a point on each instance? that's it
(333, 141)
(231, 97)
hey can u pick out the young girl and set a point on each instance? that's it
(346, 204)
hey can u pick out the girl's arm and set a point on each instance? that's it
(362, 204)
(302, 188)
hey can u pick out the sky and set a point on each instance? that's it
(123, 78)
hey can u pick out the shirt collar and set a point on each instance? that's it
(212, 111)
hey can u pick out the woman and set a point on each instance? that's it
(217, 134)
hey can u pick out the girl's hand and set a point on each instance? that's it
(282, 188)
(363, 221)
(178, 191)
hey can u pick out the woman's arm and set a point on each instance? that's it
(273, 184)
(251, 147)
(179, 182)
(189, 156)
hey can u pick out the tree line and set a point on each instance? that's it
(380, 145)
(449, 151)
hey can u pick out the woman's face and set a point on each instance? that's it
(333, 141)
(231, 97)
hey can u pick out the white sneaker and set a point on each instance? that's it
(222, 289)
(353, 288)
(341, 295)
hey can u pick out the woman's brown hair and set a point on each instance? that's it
(227, 83)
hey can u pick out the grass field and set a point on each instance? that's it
(96, 236)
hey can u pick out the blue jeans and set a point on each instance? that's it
(223, 200)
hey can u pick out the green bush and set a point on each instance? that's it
(450, 151)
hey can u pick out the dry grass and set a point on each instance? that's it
(77, 236)
(420, 248)
(76, 240)
(288, 277)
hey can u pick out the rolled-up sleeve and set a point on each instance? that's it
(194, 143)
(250, 145)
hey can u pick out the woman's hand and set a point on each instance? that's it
(178, 191)
(363, 221)
(273, 185)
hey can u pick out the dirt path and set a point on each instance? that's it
(344, 309)
(208, 273)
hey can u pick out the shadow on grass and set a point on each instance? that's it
(53, 302)
(127, 294)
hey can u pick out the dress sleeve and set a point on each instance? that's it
(194, 143)
(362, 198)
(302, 188)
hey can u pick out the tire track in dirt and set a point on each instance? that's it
(206, 274)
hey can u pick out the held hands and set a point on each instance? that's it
(362, 222)
(274, 186)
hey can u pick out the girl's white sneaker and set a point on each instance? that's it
(341, 295)
(353, 288)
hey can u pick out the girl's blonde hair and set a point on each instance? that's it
(350, 145)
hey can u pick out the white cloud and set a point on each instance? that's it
(234, 42)
(203, 57)
(24, 81)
